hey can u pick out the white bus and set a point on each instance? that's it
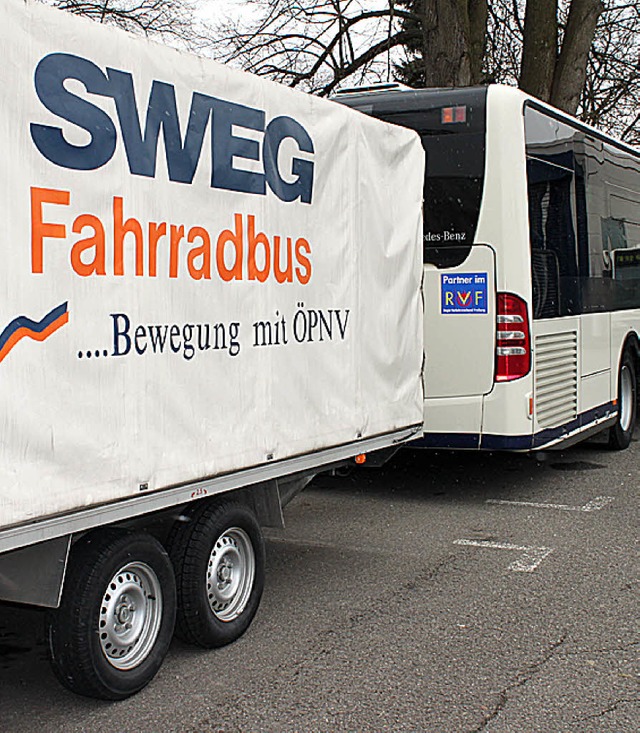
(531, 269)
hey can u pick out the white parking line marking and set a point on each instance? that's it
(529, 561)
(591, 506)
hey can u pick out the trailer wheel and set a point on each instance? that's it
(218, 554)
(621, 433)
(113, 628)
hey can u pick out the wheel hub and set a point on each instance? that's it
(225, 571)
(125, 611)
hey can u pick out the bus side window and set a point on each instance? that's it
(622, 210)
(595, 270)
(612, 270)
(545, 278)
(554, 263)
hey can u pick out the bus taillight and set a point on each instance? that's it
(513, 338)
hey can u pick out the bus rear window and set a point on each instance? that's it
(451, 125)
(452, 194)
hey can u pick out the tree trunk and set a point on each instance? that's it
(478, 14)
(540, 48)
(445, 40)
(571, 69)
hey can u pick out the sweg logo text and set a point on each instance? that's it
(182, 155)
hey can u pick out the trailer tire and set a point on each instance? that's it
(218, 555)
(113, 628)
(621, 433)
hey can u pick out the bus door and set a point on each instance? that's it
(459, 326)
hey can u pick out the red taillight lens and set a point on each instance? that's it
(513, 338)
(450, 115)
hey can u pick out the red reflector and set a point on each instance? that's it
(460, 114)
(447, 115)
(453, 114)
(513, 338)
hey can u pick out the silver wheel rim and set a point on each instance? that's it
(230, 574)
(130, 615)
(626, 398)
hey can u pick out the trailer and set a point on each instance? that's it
(211, 292)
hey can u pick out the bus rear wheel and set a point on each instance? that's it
(621, 433)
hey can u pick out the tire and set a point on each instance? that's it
(621, 433)
(114, 625)
(218, 557)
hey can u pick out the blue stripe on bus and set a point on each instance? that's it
(471, 441)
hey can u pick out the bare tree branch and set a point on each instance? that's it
(318, 45)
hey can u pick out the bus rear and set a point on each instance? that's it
(519, 354)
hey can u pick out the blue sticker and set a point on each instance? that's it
(465, 292)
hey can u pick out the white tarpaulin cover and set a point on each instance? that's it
(202, 271)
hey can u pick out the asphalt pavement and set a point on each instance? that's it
(447, 592)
